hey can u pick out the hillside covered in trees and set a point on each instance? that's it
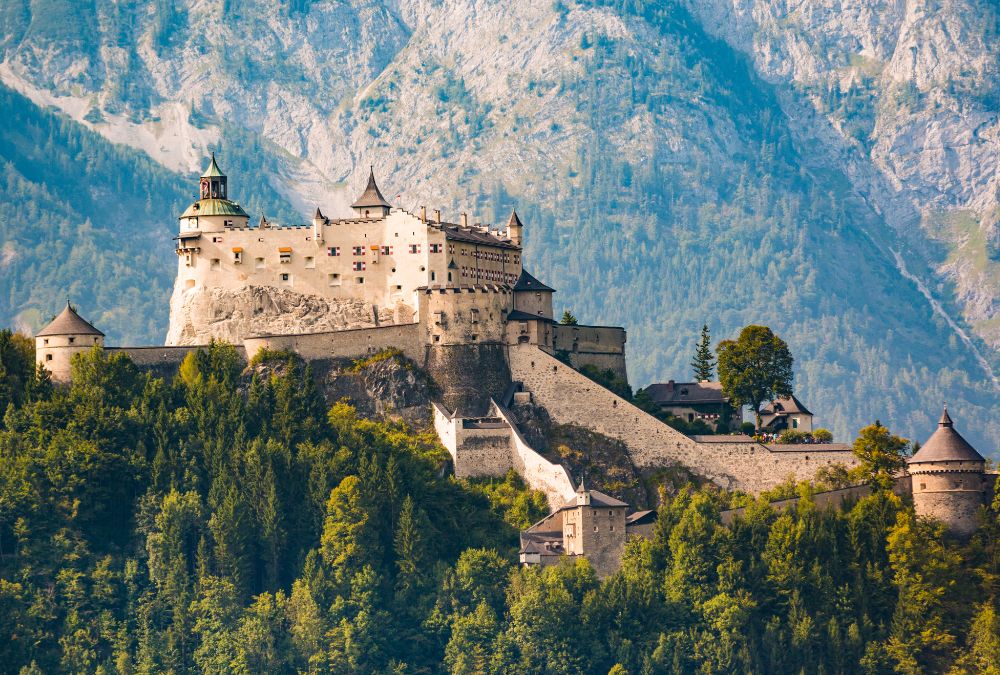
(228, 520)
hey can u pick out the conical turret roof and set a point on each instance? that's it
(372, 196)
(514, 221)
(213, 170)
(946, 445)
(68, 323)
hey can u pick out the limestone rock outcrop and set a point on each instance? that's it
(199, 314)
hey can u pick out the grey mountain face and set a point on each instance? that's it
(828, 168)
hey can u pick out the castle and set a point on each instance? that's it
(455, 298)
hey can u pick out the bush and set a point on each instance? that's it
(822, 436)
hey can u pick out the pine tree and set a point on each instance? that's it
(703, 363)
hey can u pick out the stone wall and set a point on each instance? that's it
(344, 343)
(571, 398)
(950, 492)
(468, 376)
(599, 346)
(538, 472)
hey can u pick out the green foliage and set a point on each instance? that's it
(755, 368)
(703, 364)
(568, 319)
(882, 455)
(609, 380)
(519, 506)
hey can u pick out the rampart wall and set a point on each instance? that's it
(572, 398)
(538, 472)
(344, 343)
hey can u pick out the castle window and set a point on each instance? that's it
(258, 263)
(387, 250)
(399, 287)
(227, 223)
(449, 276)
(216, 264)
(359, 280)
(72, 340)
(48, 357)
(334, 279)
(45, 341)
(437, 338)
(438, 318)
(237, 255)
(358, 250)
(434, 277)
(923, 486)
(333, 251)
(595, 528)
(435, 248)
(286, 277)
(795, 422)
(358, 266)
(310, 262)
(216, 240)
(414, 248)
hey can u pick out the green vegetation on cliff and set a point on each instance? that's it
(228, 521)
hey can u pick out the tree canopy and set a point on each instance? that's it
(755, 368)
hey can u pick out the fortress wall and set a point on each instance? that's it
(464, 315)
(572, 398)
(345, 343)
(474, 452)
(599, 346)
(468, 375)
(157, 356)
(538, 472)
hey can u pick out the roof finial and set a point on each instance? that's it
(945, 418)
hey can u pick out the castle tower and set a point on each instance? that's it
(515, 228)
(371, 203)
(948, 478)
(66, 335)
(532, 297)
(594, 526)
(319, 220)
(214, 211)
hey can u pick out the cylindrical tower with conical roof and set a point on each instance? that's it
(948, 477)
(66, 335)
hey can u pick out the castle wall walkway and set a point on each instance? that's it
(572, 398)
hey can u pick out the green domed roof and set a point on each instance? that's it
(214, 207)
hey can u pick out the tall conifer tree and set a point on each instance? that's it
(703, 363)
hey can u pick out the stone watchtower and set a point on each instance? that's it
(949, 481)
(68, 334)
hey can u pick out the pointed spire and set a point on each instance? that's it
(945, 418)
(319, 214)
(582, 488)
(514, 221)
(213, 170)
(263, 222)
(372, 196)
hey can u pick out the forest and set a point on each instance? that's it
(226, 519)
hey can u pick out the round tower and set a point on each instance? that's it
(948, 477)
(66, 335)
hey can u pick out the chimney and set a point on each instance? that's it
(465, 220)
(423, 214)
(437, 215)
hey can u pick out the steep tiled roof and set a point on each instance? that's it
(785, 406)
(514, 221)
(672, 393)
(946, 445)
(518, 315)
(68, 323)
(469, 235)
(526, 282)
(372, 196)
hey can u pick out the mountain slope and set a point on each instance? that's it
(664, 182)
